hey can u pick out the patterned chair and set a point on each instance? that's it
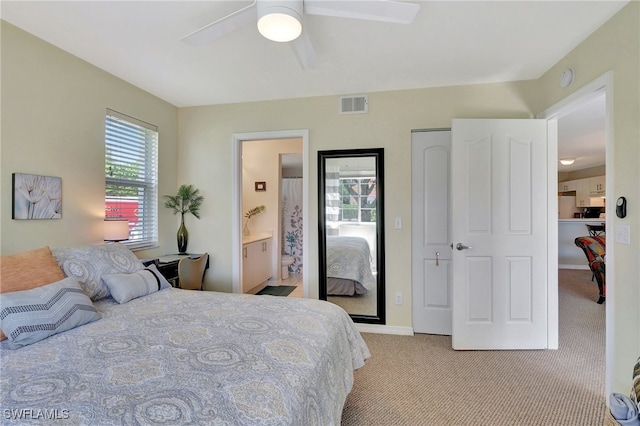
(594, 249)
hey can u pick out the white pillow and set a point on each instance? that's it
(90, 263)
(125, 287)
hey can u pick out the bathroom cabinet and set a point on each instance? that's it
(256, 261)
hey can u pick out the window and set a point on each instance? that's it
(358, 199)
(131, 178)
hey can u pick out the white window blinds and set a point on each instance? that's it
(131, 177)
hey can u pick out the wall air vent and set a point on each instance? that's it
(358, 104)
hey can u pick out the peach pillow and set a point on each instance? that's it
(27, 270)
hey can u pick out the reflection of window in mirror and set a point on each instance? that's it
(358, 199)
(349, 257)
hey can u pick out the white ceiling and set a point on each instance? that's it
(581, 136)
(448, 43)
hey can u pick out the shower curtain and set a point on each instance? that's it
(291, 238)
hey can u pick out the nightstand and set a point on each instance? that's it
(168, 266)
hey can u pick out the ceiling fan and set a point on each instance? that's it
(281, 20)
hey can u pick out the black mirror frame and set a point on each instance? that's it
(378, 153)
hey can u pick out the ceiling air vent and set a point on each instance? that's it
(358, 104)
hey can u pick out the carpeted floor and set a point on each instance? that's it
(361, 304)
(420, 380)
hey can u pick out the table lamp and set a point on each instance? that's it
(116, 229)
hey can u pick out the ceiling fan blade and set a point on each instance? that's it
(304, 51)
(222, 26)
(398, 12)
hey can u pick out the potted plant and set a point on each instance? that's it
(187, 200)
(249, 214)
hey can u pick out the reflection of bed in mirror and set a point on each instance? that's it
(348, 266)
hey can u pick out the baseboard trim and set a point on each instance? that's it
(585, 267)
(384, 329)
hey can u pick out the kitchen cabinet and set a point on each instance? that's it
(583, 195)
(597, 185)
(583, 192)
(256, 263)
(567, 186)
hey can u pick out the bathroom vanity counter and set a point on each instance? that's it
(248, 239)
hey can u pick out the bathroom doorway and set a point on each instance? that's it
(260, 182)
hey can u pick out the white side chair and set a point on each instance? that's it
(191, 272)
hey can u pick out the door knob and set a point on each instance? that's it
(461, 246)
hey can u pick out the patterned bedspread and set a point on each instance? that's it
(349, 258)
(189, 357)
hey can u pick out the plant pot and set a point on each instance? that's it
(183, 237)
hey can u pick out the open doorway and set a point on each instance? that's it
(581, 178)
(265, 191)
(593, 99)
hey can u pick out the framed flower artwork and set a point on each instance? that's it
(36, 197)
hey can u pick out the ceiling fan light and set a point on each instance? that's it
(567, 161)
(280, 21)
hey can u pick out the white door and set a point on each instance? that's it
(499, 199)
(430, 239)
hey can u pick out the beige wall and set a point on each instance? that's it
(582, 173)
(53, 114)
(391, 117)
(615, 46)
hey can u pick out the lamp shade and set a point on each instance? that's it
(280, 20)
(116, 229)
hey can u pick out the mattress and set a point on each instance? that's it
(189, 357)
(348, 260)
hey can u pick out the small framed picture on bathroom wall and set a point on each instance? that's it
(261, 186)
(36, 197)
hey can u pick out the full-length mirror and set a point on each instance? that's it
(351, 227)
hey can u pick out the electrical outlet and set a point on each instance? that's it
(398, 298)
(398, 222)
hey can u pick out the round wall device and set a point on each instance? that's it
(566, 78)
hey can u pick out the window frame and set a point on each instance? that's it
(128, 140)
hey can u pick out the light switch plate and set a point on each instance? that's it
(623, 234)
(398, 223)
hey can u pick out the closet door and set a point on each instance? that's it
(430, 240)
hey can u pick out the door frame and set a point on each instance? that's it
(601, 85)
(236, 199)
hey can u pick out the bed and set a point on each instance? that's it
(348, 266)
(187, 357)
